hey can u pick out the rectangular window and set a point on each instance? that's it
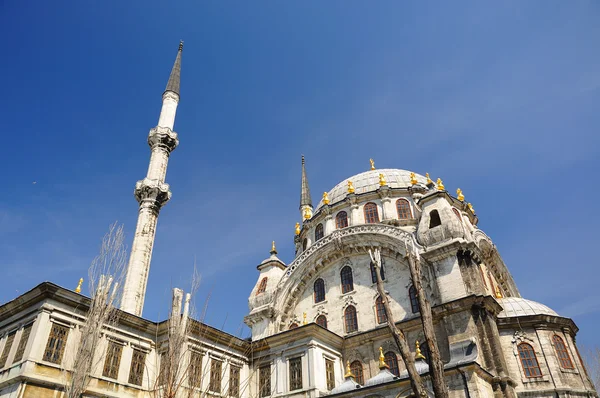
(23, 343)
(329, 373)
(234, 381)
(215, 375)
(56, 343)
(264, 381)
(195, 369)
(7, 346)
(113, 360)
(295, 374)
(138, 364)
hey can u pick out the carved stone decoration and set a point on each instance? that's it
(164, 138)
(349, 300)
(388, 346)
(321, 311)
(154, 192)
(520, 337)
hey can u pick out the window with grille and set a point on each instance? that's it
(195, 370)
(295, 373)
(529, 361)
(57, 340)
(341, 220)
(374, 274)
(319, 233)
(262, 286)
(562, 353)
(403, 208)
(215, 375)
(350, 319)
(264, 381)
(414, 300)
(371, 213)
(7, 346)
(322, 321)
(380, 309)
(347, 279)
(23, 343)
(319, 288)
(138, 364)
(391, 360)
(113, 360)
(330, 374)
(234, 381)
(434, 219)
(356, 368)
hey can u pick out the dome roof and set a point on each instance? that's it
(348, 385)
(369, 182)
(383, 376)
(517, 306)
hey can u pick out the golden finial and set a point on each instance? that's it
(325, 198)
(78, 288)
(498, 292)
(382, 363)
(304, 318)
(470, 206)
(440, 185)
(372, 164)
(413, 178)
(428, 179)
(418, 353)
(350, 187)
(273, 250)
(382, 179)
(348, 371)
(297, 228)
(307, 213)
(459, 195)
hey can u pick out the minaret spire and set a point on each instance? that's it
(306, 207)
(152, 193)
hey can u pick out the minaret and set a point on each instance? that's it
(152, 193)
(306, 208)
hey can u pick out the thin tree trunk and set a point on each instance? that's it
(415, 379)
(440, 389)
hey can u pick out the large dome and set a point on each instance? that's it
(517, 306)
(369, 182)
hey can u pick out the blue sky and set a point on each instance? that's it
(499, 99)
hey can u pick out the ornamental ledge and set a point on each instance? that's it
(155, 191)
(163, 137)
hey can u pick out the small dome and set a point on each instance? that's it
(348, 385)
(369, 182)
(517, 306)
(383, 376)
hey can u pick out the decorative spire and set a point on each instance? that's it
(459, 195)
(348, 371)
(78, 288)
(273, 250)
(498, 292)
(305, 199)
(413, 178)
(174, 79)
(304, 318)
(440, 185)
(428, 179)
(470, 206)
(297, 228)
(382, 181)
(372, 164)
(325, 198)
(382, 364)
(418, 353)
(350, 187)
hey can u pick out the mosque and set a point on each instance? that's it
(318, 324)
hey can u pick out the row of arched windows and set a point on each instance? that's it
(530, 364)
(347, 280)
(371, 216)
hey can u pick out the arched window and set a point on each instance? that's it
(562, 353)
(414, 301)
(529, 361)
(403, 208)
(347, 280)
(357, 369)
(319, 290)
(434, 219)
(371, 214)
(380, 309)
(304, 244)
(262, 286)
(322, 321)
(457, 214)
(350, 319)
(293, 326)
(391, 360)
(319, 232)
(374, 274)
(341, 220)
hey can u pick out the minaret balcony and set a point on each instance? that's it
(153, 192)
(163, 137)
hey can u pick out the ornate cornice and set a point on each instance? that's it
(152, 193)
(163, 138)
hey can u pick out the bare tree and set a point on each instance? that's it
(105, 275)
(591, 359)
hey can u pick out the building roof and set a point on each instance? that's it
(369, 182)
(175, 77)
(517, 306)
